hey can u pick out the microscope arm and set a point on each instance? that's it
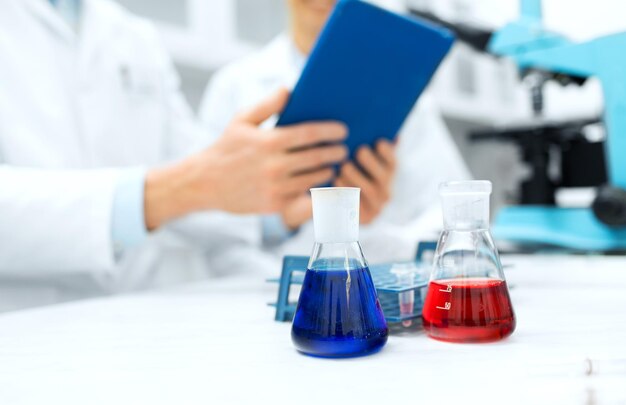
(605, 59)
(474, 37)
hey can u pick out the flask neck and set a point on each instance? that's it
(466, 254)
(455, 224)
(465, 205)
(465, 213)
(337, 256)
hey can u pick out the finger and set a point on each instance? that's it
(310, 134)
(309, 159)
(297, 211)
(372, 195)
(355, 178)
(373, 166)
(367, 212)
(303, 182)
(387, 152)
(266, 108)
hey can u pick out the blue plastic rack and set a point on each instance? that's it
(385, 282)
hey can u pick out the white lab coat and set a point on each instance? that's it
(426, 154)
(74, 109)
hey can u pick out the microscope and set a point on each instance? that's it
(542, 56)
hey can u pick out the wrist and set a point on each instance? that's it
(293, 221)
(290, 223)
(169, 194)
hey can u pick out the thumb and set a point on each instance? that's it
(266, 108)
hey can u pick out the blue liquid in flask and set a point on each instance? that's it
(339, 314)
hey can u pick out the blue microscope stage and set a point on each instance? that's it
(574, 228)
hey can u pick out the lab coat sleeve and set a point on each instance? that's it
(217, 234)
(237, 241)
(184, 133)
(56, 221)
(219, 103)
(128, 217)
(274, 230)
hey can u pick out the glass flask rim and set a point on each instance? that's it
(465, 187)
(333, 188)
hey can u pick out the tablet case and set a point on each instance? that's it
(367, 70)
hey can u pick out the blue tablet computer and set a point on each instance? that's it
(367, 69)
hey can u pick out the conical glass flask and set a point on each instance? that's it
(468, 299)
(338, 313)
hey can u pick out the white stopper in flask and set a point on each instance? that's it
(465, 204)
(336, 214)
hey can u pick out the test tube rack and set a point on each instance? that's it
(385, 282)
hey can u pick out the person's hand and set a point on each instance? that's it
(374, 176)
(297, 211)
(248, 170)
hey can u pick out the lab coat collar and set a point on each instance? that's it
(45, 12)
(96, 26)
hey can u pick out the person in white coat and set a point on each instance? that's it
(99, 151)
(426, 154)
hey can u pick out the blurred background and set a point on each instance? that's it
(475, 91)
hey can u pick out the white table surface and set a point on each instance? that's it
(216, 342)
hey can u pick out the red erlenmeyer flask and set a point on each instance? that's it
(468, 299)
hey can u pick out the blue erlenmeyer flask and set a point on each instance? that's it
(338, 313)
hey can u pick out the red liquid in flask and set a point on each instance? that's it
(468, 310)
